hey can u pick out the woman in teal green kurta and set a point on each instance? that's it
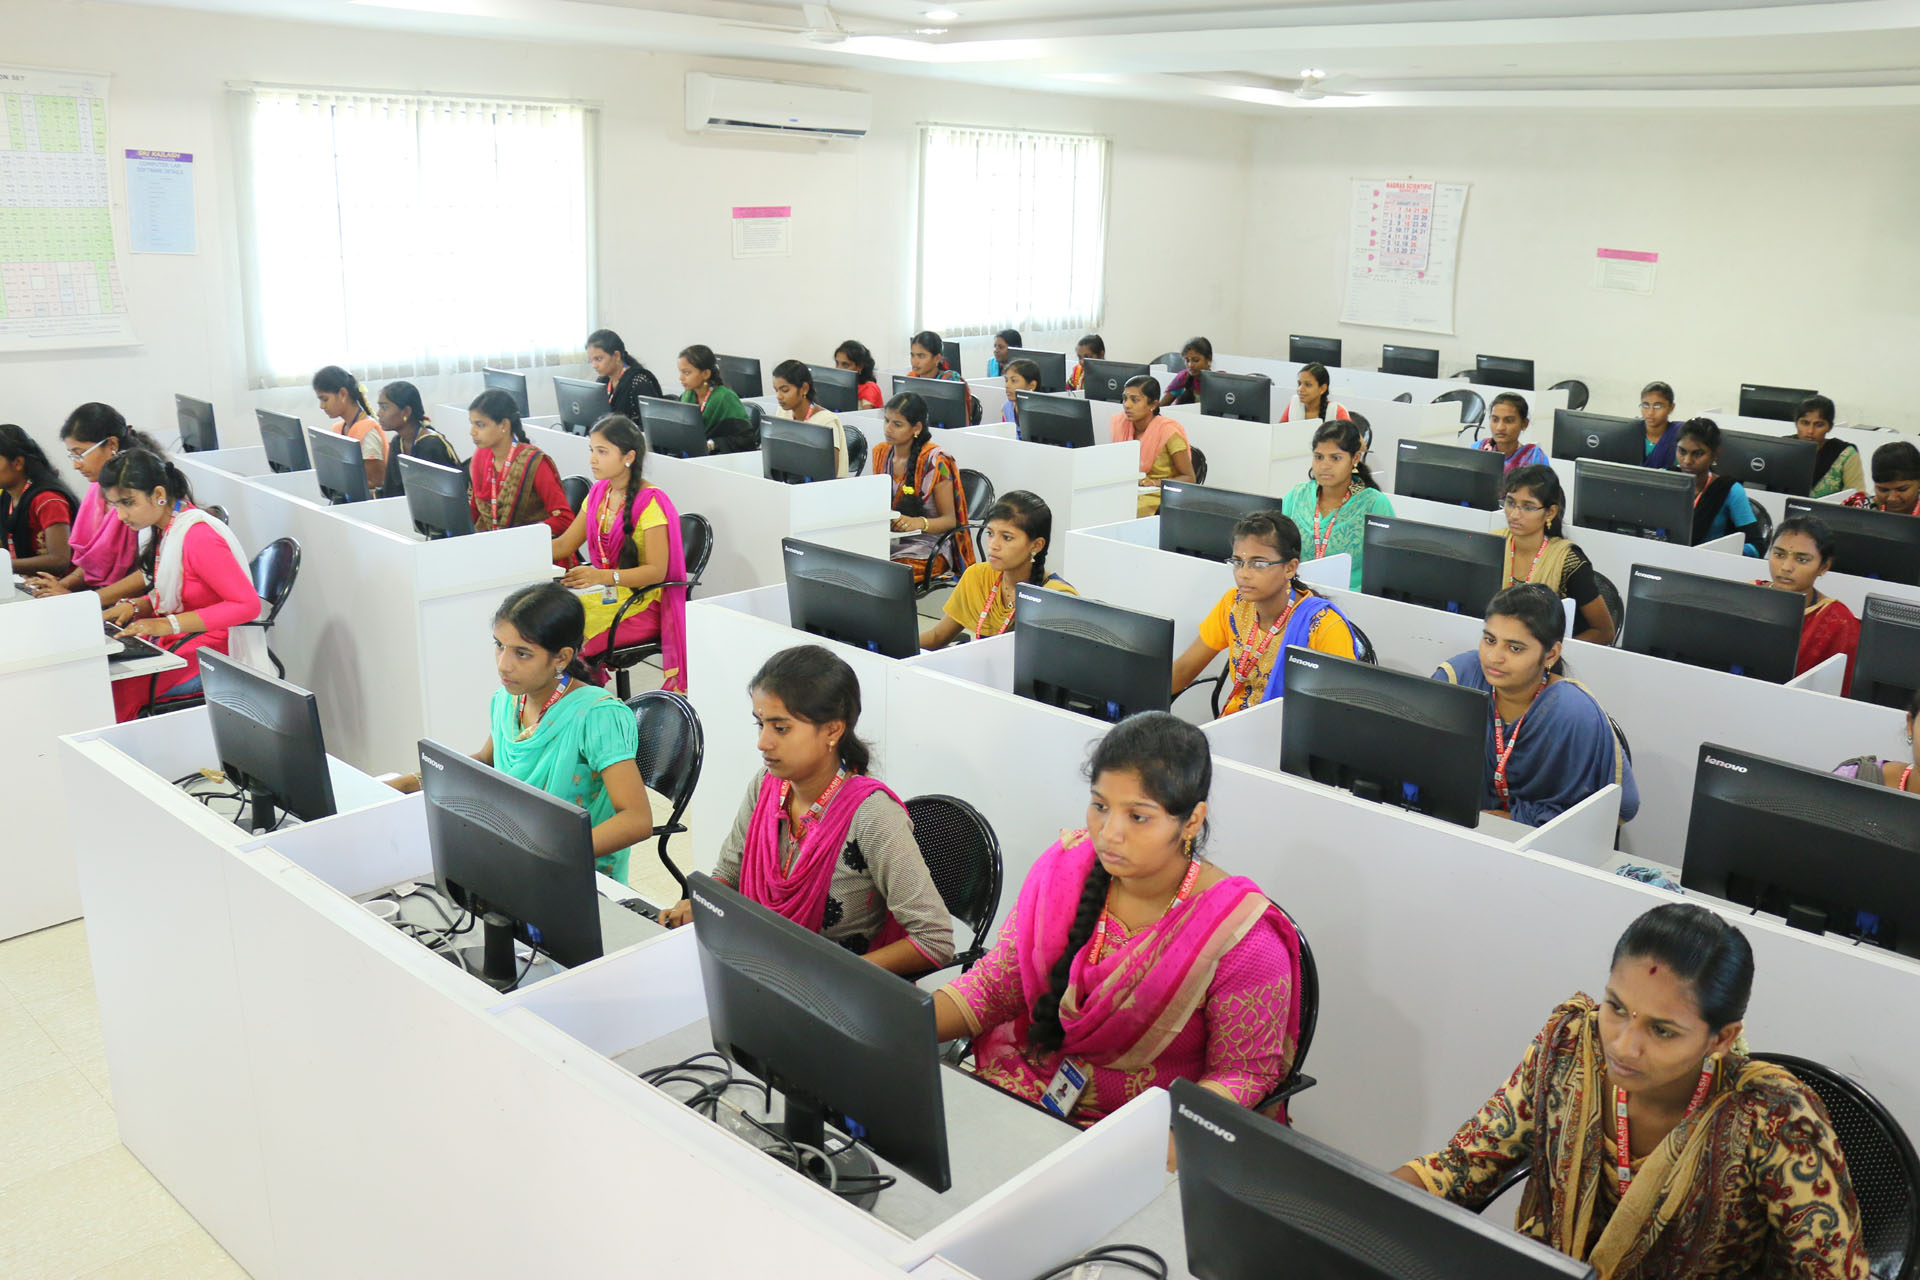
(729, 427)
(1331, 507)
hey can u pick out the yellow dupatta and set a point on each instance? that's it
(1550, 570)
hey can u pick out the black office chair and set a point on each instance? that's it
(218, 512)
(979, 492)
(1464, 373)
(1473, 409)
(1366, 428)
(1199, 466)
(696, 542)
(1175, 361)
(274, 572)
(1765, 521)
(672, 750)
(1405, 397)
(1363, 651)
(963, 856)
(1306, 989)
(1576, 393)
(577, 488)
(856, 450)
(1610, 596)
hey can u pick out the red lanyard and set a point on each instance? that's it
(1319, 542)
(805, 821)
(499, 484)
(1503, 746)
(1100, 929)
(993, 598)
(1624, 1164)
(1904, 775)
(1513, 581)
(545, 707)
(1253, 650)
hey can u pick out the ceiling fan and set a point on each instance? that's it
(1315, 84)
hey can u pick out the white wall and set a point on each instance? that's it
(1786, 252)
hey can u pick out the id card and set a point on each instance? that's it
(609, 594)
(1069, 1082)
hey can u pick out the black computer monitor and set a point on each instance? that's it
(1391, 737)
(1887, 667)
(1782, 404)
(1831, 854)
(742, 375)
(1415, 362)
(1636, 501)
(1302, 349)
(514, 384)
(844, 1041)
(1107, 379)
(1778, 464)
(1059, 420)
(1052, 365)
(1247, 396)
(338, 468)
(673, 427)
(835, 389)
(1503, 371)
(1712, 622)
(946, 399)
(285, 441)
(854, 599)
(1253, 1191)
(196, 425)
(582, 403)
(1196, 520)
(1458, 570)
(797, 452)
(267, 735)
(1449, 473)
(437, 497)
(1098, 659)
(950, 352)
(1598, 435)
(1871, 544)
(518, 859)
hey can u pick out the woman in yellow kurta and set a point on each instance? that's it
(1019, 526)
(1164, 454)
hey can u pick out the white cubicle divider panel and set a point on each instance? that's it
(1349, 383)
(53, 680)
(1082, 487)
(1252, 457)
(1826, 676)
(1584, 834)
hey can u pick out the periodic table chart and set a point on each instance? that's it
(61, 276)
(1403, 241)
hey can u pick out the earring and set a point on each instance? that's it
(1189, 849)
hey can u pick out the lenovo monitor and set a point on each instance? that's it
(1887, 668)
(1052, 366)
(742, 375)
(797, 452)
(1636, 501)
(1458, 570)
(438, 500)
(1871, 544)
(1782, 404)
(1302, 349)
(1599, 436)
(338, 468)
(834, 389)
(673, 427)
(1246, 396)
(855, 599)
(1713, 622)
(1449, 473)
(1066, 421)
(1196, 520)
(196, 425)
(946, 399)
(1097, 659)
(266, 733)
(514, 384)
(1415, 362)
(1503, 371)
(285, 441)
(582, 402)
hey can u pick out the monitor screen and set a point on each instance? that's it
(1831, 854)
(1097, 659)
(1782, 404)
(582, 402)
(1449, 473)
(1196, 520)
(742, 376)
(1059, 420)
(1246, 396)
(1053, 366)
(1712, 622)
(797, 452)
(1778, 464)
(1458, 570)
(1107, 379)
(437, 497)
(338, 468)
(1416, 362)
(1872, 544)
(946, 399)
(855, 599)
(1887, 670)
(673, 427)
(285, 441)
(267, 735)
(1636, 501)
(1600, 436)
(514, 384)
(950, 352)
(834, 389)
(1302, 349)
(196, 425)
(1503, 371)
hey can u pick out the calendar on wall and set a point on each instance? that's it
(1403, 242)
(62, 278)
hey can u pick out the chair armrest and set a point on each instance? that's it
(1295, 1084)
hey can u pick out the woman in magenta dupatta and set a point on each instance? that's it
(1127, 957)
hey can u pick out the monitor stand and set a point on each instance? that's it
(805, 1125)
(497, 963)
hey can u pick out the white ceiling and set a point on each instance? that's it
(1250, 56)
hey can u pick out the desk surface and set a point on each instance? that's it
(1160, 1228)
(424, 909)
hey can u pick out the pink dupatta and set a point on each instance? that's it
(1158, 432)
(104, 546)
(800, 892)
(673, 600)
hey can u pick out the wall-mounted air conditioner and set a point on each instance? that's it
(726, 104)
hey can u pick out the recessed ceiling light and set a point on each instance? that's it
(929, 31)
(941, 15)
(1313, 73)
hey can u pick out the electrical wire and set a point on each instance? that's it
(1134, 1257)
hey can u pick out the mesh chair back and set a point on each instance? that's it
(963, 856)
(672, 747)
(1765, 520)
(218, 512)
(1173, 360)
(1610, 596)
(274, 571)
(1405, 397)
(577, 488)
(696, 543)
(1309, 990)
(1199, 465)
(856, 450)
(1473, 409)
(979, 491)
(1366, 428)
(1576, 393)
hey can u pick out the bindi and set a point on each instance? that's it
(1653, 968)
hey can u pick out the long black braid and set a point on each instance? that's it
(625, 435)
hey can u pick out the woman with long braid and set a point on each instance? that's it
(929, 501)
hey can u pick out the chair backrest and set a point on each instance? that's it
(979, 491)
(218, 512)
(1472, 408)
(963, 856)
(856, 449)
(274, 571)
(577, 488)
(696, 544)
(1765, 520)
(1880, 1160)
(1366, 428)
(1610, 596)
(1405, 397)
(1174, 360)
(1576, 393)
(1363, 648)
(1199, 466)
(1308, 988)
(672, 746)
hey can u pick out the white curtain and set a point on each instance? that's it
(405, 236)
(1013, 230)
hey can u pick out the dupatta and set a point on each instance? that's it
(1158, 432)
(673, 599)
(1549, 571)
(800, 892)
(932, 459)
(498, 499)
(1299, 631)
(244, 644)
(103, 545)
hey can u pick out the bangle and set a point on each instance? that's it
(173, 620)
(616, 577)
(926, 525)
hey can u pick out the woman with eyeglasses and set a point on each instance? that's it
(104, 548)
(1267, 610)
(1538, 552)
(1663, 433)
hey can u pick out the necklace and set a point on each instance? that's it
(1252, 651)
(1514, 579)
(1503, 746)
(1107, 929)
(1320, 542)
(526, 730)
(1624, 1164)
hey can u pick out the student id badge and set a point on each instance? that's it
(1069, 1082)
(609, 594)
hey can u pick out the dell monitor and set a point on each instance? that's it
(946, 399)
(1782, 404)
(1600, 436)
(1778, 464)
(844, 1042)
(1391, 737)
(1831, 854)
(1066, 421)
(834, 389)
(1503, 371)
(1196, 520)
(517, 859)
(514, 384)
(1712, 622)
(1246, 396)
(1458, 570)
(1097, 659)
(438, 499)
(741, 374)
(1107, 379)
(285, 441)
(1887, 669)
(196, 425)
(855, 599)
(1449, 473)
(1253, 1192)
(673, 427)
(266, 733)
(582, 402)
(1636, 501)
(1415, 362)
(1052, 366)
(338, 468)
(1302, 349)
(1871, 544)
(797, 452)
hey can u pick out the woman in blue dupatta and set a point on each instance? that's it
(1549, 745)
(1663, 433)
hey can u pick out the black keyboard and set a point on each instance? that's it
(131, 647)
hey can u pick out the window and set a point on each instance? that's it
(1013, 230)
(406, 236)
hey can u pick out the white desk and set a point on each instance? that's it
(1082, 487)
(1370, 384)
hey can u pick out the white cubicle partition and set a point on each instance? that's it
(1082, 487)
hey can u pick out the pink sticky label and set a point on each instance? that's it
(1627, 255)
(762, 211)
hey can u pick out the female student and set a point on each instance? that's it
(1802, 551)
(1338, 495)
(1506, 423)
(928, 499)
(729, 428)
(343, 399)
(513, 482)
(632, 536)
(202, 591)
(926, 358)
(1091, 347)
(793, 389)
(1131, 956)
(818, 838)
(1896, 480)
(1021, 375)
(1019, 527)
(552, 727)
(1004, 341)
(403, 416)
(1538, 551)
(1549, 745)
(1898, 774)
(1836, 467)
(1267, 610)
(1184, 386)
(1164, 452)
(38, 507)
(1720, 504)
(103, 546)
(624, 377)
(855, 358)
(1663, 434)
(1312, 391)
(1658, 1147)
